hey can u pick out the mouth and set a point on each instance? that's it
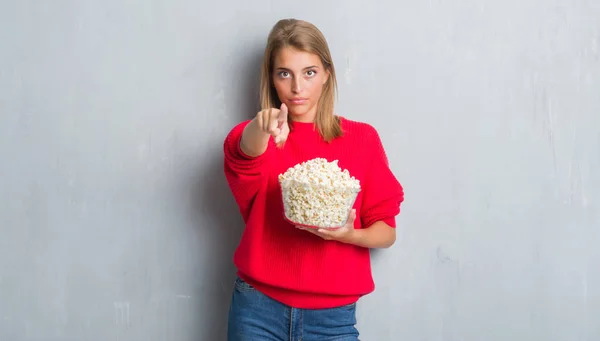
(298, 100)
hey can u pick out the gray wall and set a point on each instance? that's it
(116, 222)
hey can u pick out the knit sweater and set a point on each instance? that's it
(290, 265)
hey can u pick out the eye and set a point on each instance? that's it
(284, 74)
(311, 73)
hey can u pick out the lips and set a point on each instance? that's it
(298, 101)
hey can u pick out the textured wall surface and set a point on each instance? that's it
(116, 222)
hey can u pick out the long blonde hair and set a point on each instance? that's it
(306, 37)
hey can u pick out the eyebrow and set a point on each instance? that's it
(308, 67)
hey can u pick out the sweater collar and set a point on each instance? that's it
(303, 127)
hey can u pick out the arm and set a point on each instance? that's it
(382, 196)
(244, 172)
(248, 150)
(378, 235)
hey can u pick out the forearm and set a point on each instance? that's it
(254, 141)
(378, 235)
(245, 175)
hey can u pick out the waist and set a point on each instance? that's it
(300, 299)
(308, 285)
(300, 269)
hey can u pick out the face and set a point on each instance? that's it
(299, 78)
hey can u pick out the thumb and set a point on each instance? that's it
(351, 217)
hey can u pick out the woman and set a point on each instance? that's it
(294, 283)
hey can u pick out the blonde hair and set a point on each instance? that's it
(306, 37)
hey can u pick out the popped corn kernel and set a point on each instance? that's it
(318, 193)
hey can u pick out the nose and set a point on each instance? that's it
(296, 85)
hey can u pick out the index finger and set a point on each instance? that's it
(283, 113)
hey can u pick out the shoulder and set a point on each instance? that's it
(231, 143)
(362, 130)
(237, 129)
(365, 138)
(240, 125)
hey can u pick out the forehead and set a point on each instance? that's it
(292, 58)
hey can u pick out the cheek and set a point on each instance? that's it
(315, 86)
(281, 86)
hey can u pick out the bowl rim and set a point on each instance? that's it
(287, 183)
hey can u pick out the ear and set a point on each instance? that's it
(326, 78)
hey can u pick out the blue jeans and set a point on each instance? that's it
(254, 316)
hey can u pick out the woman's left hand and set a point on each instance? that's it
(343, 234)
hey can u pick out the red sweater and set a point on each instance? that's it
(290, 265)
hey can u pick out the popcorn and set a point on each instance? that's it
(318, 193)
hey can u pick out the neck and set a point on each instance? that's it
(302, 120)
(309, 117)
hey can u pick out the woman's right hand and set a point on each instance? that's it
(267, 123)
(274, 122)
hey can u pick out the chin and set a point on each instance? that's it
(296, 110)
(298, 113)
(299, 110)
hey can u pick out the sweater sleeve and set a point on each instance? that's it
(382, 192)
(245, 174)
